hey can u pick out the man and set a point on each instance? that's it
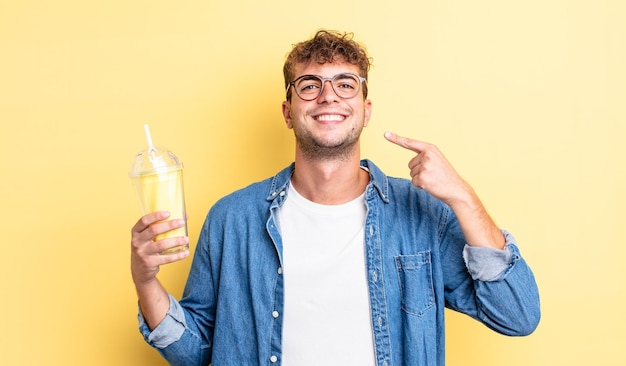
(330, 261)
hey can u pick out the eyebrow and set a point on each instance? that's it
(308, 77)
(342, 75)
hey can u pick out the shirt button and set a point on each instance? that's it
(275, 314)
(273, 359)
(280, 270)
(282, 193)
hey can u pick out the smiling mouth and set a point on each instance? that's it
(330, 118)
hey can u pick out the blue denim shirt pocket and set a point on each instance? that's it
(416, 282)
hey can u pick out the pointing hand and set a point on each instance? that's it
(431, 171)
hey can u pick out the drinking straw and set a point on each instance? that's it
(148, 136)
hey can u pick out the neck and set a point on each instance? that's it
(329, 181)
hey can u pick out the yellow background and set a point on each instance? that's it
(527, 100)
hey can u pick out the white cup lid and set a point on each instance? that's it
(154, 160)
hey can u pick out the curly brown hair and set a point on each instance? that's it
(325, 47)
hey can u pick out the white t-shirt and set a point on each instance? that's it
(327, 313)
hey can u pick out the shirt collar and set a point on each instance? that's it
(378, 180)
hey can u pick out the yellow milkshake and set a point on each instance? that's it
(157, 175)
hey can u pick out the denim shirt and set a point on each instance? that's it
(417, 263)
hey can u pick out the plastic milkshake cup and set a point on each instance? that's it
(157, 176)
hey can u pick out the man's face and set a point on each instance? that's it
(328, 126)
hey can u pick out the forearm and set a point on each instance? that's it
(153, 302)
(477, 226)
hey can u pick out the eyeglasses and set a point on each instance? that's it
(310, 87)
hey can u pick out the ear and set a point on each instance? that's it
(287, 114)
(367, 112)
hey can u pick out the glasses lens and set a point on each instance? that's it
(346, 85)
(308, 87)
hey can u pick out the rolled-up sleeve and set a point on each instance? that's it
(506, 297)
(490, 264)
(169, 330)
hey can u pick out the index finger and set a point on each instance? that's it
(405, 142)
(149, 219)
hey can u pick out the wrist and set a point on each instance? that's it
(147, 285)
(464, 199)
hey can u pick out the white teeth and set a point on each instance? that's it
(330, 117)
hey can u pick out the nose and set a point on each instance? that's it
(327, 94)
